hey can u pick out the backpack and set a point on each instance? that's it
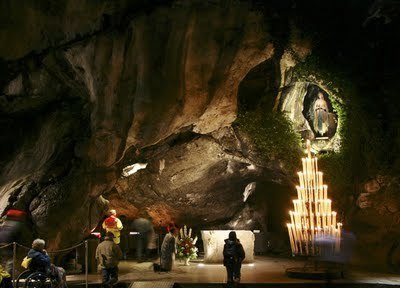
(111, 222)
(25, 262)
(231, 250)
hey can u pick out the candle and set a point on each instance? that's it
(329, 221)
(312, 224)
(299, 237)
(334, 219)
(301, 179)
(289, 226)
(291, 216)
(339, 234)
(303, 162)
(298, 192)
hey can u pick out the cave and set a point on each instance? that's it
(197, 113)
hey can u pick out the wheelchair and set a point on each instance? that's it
(35, 279)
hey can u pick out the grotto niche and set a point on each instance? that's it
(318, 111)
(310, 109)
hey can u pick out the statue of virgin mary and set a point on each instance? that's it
(320, 115)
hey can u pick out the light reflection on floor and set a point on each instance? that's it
(263, 270)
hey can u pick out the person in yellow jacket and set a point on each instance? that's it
(114, 225)
(5, 278)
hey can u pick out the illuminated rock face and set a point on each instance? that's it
(88, 89)
(213, 242)
(77, 113)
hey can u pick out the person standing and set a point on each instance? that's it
(107, 255)
(114, 225)
(168, 249)
(124, 237)
(142, 226)
(233, 257)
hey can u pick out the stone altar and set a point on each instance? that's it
(213, 242)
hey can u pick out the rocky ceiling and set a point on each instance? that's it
(90, 88)
(90, 95)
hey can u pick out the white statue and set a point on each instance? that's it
(321, 115)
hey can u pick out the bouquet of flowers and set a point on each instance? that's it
(186, 244)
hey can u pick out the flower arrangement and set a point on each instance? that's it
(186, 244)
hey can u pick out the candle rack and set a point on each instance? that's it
(313, 229)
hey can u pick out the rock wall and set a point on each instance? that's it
(98, 94)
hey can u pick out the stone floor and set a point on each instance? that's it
(267, 270)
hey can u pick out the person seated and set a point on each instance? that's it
(40, 262)
(5, 278)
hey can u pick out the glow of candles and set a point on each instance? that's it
(312, 215)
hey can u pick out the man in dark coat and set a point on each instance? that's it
(233, 258)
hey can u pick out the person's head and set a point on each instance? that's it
(113, 212)
(320, 95)
(38, 244)
(109, 236)
(232, 236)
(173, 231)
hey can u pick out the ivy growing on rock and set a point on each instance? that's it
(273, 136)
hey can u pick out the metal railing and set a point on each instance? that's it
(14, 258)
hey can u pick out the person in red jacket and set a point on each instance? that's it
(114, 225)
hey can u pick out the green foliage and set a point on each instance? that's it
(273, 136)
(364, 151)
(338, 166)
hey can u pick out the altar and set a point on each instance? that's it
(213, 243)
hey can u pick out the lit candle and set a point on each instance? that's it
(339, 235)
(304, 174)
(329, 220)
(309, 172)
(293, 247)
(306, 243)
(325, 191)
(300, 238)
(301, 179)
(291, 217)
(298, 192)
(334, 219)
(297, 218)
(312, 223)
